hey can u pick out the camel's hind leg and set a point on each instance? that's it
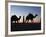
(31, 21)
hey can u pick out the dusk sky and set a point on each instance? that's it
(25, 10)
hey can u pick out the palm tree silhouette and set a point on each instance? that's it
(30, 17)
(14, 18)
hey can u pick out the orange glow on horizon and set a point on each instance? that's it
(34, 21)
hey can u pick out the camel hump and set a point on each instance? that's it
(14, 16)
(30, 14)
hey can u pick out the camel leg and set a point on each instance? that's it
(17, 21)
(27, 21)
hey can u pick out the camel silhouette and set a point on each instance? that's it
(14, 18)
(30, 17)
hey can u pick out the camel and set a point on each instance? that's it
(30, 17)
(15, 19)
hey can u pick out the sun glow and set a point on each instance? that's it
(34, 21)
(20, 21)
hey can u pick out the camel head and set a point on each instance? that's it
(19, 17)
(35, 16)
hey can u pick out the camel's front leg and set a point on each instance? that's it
(18, 21)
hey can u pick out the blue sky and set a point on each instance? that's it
(25, 10)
